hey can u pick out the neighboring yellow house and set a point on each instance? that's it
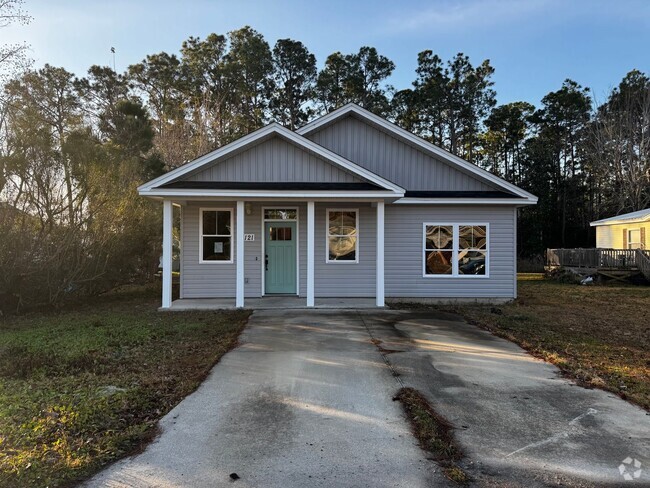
(627, 231)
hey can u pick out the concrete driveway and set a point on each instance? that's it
(306, 401)
(520, 423)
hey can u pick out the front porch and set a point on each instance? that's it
(275, 253)
(270, 303)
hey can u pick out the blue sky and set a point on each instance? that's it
(533, 44)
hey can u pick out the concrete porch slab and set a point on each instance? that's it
(270, 303)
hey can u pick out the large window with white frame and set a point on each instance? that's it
(342, 236)
(455, 250)
(215, 235)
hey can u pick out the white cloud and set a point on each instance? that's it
(469, 14)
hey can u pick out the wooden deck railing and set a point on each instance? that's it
(643, 262)
(599, 258)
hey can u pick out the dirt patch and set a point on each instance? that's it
(434, 433)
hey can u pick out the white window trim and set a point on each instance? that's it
(629, 238)
(454, 263)
(297, 221)
(232, 234)
(327, 235)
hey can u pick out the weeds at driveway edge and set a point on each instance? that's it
(434, 433)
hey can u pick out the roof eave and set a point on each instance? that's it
(599, 223)
(467, 201)
(289, 194)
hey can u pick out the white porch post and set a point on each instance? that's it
(168, 212)
(310, 254)
(239, 296)
(380, 254)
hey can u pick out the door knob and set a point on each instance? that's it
(266, 262)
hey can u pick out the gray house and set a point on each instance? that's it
(349, 205)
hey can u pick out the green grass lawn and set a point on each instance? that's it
(598, 335)
(83, 387)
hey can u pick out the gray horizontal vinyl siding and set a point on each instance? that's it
(275, 160)
(204, 280)
(346, 279)
(393, 159)
(404, 252)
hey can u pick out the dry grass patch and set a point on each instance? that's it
(598, 335)
(83, 387)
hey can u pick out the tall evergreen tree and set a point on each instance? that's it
(358, 78)
(248, 67)
(502, 143)
(294, 73)
(453, 100)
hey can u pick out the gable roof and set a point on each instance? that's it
(632, 217)
(412, 139)
(153, 187)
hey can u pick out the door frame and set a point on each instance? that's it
(263, 257)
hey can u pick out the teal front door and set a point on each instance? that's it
(280, 257)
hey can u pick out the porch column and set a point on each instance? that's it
(239, 295)
(168, 212)
(310, 254)
(380, 254)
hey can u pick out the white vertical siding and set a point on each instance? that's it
(404, 252)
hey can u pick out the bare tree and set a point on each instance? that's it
(620, 145)
(13, 56)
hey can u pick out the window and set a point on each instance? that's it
(342, 236)
(280, 214)
(438, 252)
(455, 250)
(472, 249)
(215, 236)
(280, 233)
(634, 239)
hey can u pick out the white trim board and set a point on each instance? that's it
(463, 201)
(418, 142)
(261, 134)
(237, 194)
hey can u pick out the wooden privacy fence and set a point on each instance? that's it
(600, 258)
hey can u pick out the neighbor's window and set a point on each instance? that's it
(216, 235)
(634, 239)
(342, 236)
(455, 250)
